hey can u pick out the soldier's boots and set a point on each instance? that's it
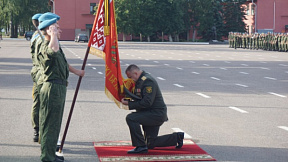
(36, 135)
(59, 159)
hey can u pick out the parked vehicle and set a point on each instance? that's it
(28, 35)
(81, 37)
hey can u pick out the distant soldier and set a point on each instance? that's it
(235, 40)
(35, 74)
(244, 41)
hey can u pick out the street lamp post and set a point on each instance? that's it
(255, 12)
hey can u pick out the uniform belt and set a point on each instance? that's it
(58, 81)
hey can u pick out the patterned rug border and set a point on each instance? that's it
(128, 143)
(173, 157)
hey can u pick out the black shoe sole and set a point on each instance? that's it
(141, 152)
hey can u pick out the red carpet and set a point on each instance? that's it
(117, 151)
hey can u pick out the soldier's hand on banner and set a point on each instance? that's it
(124, 101)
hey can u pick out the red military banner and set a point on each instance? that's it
(104, 43)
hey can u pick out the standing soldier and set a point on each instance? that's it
(251, 41)
(35, 73)
(285, 42)
(261, 41)
(53, 91)
(248, 40)
(282, 42)
(235, 39)
(256, 41)
(244, 40)
(229, 39)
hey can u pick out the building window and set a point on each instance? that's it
(252, 10)
(92, 8)
(247, 9)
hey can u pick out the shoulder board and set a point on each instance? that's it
(143, 78)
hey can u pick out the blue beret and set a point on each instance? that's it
(47, 23)
(48, 16)
(36, 16)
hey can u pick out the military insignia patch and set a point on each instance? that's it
(149, 89)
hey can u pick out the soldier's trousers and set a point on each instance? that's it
(52, 98)
(151, 125)
(35, 107)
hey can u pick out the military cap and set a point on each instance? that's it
(48, 16)
(47, 23)
(36, 16)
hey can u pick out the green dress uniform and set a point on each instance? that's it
(52, 98)
(35, 73)
(151, 113)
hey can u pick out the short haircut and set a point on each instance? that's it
(131, 68)
(35, 23)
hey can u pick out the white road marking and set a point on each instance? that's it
(94, 68)
(264, 68)
(160, 78)
(270, 78)
(277, 94)
(244, 65)
(100, 73)
(166, 64)
(223, 68)
(192, 62)
(89, 64)
(243, 73)
(203, 95)
(286, 71)
(206, 65)
(242, 85)
(283, 127)
(195, 72)
(178, 85)
(283, 65)
(179, 68)
(237, 109)
(215, 78)
(156, 61)
(186, 136)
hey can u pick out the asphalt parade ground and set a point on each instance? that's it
(233, 103)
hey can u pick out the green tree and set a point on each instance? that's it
(211, 21)
(234, 15)
(16, 14)
(124, 11)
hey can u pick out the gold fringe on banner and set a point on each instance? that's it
(118, 103)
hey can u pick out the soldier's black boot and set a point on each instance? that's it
(180, 137)
(36, 135)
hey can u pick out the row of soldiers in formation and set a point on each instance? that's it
(268, 41)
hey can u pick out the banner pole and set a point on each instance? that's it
(74, 100)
